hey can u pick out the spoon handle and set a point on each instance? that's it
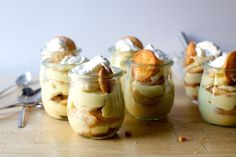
(6, 89)
(21, 118)
(183, 39)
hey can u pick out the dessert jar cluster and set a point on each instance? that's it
(96, 104)
(217, 94)
(149, 89)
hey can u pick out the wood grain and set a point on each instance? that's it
(44, 136)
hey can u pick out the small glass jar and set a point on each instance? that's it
(55, 88)
(217, 96)
(60, 55)
(193, 75)
(92, 113)
(119, 59)
(152, 98)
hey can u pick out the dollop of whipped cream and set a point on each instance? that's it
(125, 45)
(207, 48)
(159, 54)
(219, 61)
(55, 45)
(92, 66)
(74, 60)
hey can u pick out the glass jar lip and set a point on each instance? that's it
(44, 50)
(117, 72)
(112, 49)
(47, 63)
(207, 65)
(167, 63)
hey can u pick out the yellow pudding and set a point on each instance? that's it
(96, 104)
(55, 87)
(217, 96)
(123, 51)
(195, 57)
(149, 90)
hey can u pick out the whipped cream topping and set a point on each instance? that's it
(92, 66)
(74, 60)
(159, 54)
(219, 61)
(55, 45)
(125, 45)
(207, 48)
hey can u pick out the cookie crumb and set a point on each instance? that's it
(182, 139)
(148, 124)
(128, 134)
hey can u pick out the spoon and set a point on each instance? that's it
(21, 81)
(27, 96)
(183, 39)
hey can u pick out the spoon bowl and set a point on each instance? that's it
(21, 81)
(24, 79)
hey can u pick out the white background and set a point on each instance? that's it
(95, 25)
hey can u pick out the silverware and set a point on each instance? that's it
(21, 81)
(183, 39)
(27, 96)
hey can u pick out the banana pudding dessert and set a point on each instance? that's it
(217, 93)
(58, 48)
(149, 90)
(96, 104)
(124, 50)
(55, 84)
(195, 57)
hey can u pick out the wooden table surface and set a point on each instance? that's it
(44, 136)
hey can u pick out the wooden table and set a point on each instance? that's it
(44, 136)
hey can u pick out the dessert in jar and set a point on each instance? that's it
(149, 89)
(56, 49)
(96, 104)
(55, 84)
(196, 56)
(123, 51)
(217, 93)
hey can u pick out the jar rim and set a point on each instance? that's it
(207, 65)
(167, 63)
(112, 49)
(47, 63)
(77, 51)
(117, 72)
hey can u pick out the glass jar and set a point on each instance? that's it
(217, 96)
(193, 75)
(152, 98)
(93, 113)
(119, 59)
(55, 88)
(46, 54)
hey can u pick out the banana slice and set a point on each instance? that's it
(143, 100)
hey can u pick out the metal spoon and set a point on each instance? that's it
(27, 96)
(183, 39)
(21, 81)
